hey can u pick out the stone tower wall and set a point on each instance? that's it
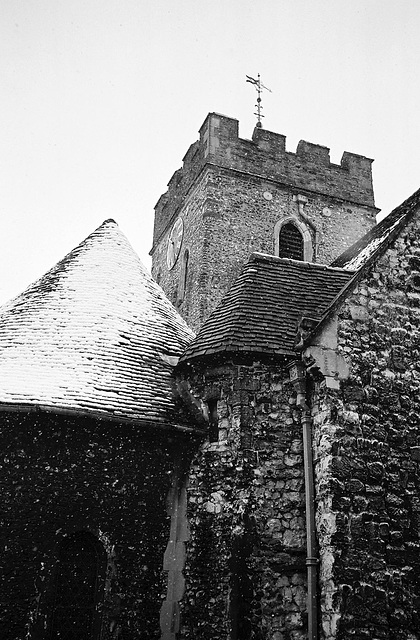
(227, 217)
(231, 193)
(265, 156)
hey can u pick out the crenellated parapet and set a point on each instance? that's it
(309, 169)
(178, 186)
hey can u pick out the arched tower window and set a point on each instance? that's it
(78, 589)
(292, 239)
(290, 242)
(183, 276)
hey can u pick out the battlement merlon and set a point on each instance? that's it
(309, 169)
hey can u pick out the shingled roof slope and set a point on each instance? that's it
(261, 312)
(379, 237)
(93, 336)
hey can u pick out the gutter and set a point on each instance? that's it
(297, 373)
(162, 426)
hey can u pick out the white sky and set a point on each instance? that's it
(100, 100)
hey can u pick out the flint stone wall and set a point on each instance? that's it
(245, 565)
(61, 475)
(367, 443)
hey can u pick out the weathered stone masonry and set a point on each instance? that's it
(245, 568)
(64, 475)
(367, 457)
(231, 193)
(265, 156)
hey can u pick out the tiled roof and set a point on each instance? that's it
(95, 335)
(377, 239)
(261, 312)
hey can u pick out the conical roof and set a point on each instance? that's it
(95, 335)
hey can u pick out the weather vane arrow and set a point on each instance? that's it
(259, 87)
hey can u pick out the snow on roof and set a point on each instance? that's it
(95, 335)
(379, 237)
(369, 248)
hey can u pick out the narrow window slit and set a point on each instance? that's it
(213, 421)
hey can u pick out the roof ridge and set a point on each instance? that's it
(64, 260)
(392, 223)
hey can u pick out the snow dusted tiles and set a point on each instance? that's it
(93, 336)
(379, 237)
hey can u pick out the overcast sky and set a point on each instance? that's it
(100, 99)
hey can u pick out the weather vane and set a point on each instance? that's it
(259, 86)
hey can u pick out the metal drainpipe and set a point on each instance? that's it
(311, 559)
(301, 204)
(298, 377)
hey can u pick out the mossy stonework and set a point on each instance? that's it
(245, 568)
(367, 448)
(64, 475)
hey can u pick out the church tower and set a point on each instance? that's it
(234, 196)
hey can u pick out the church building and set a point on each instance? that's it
(229, 448)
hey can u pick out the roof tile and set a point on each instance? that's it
(260, 313)
(94, 335)
(378, 238)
